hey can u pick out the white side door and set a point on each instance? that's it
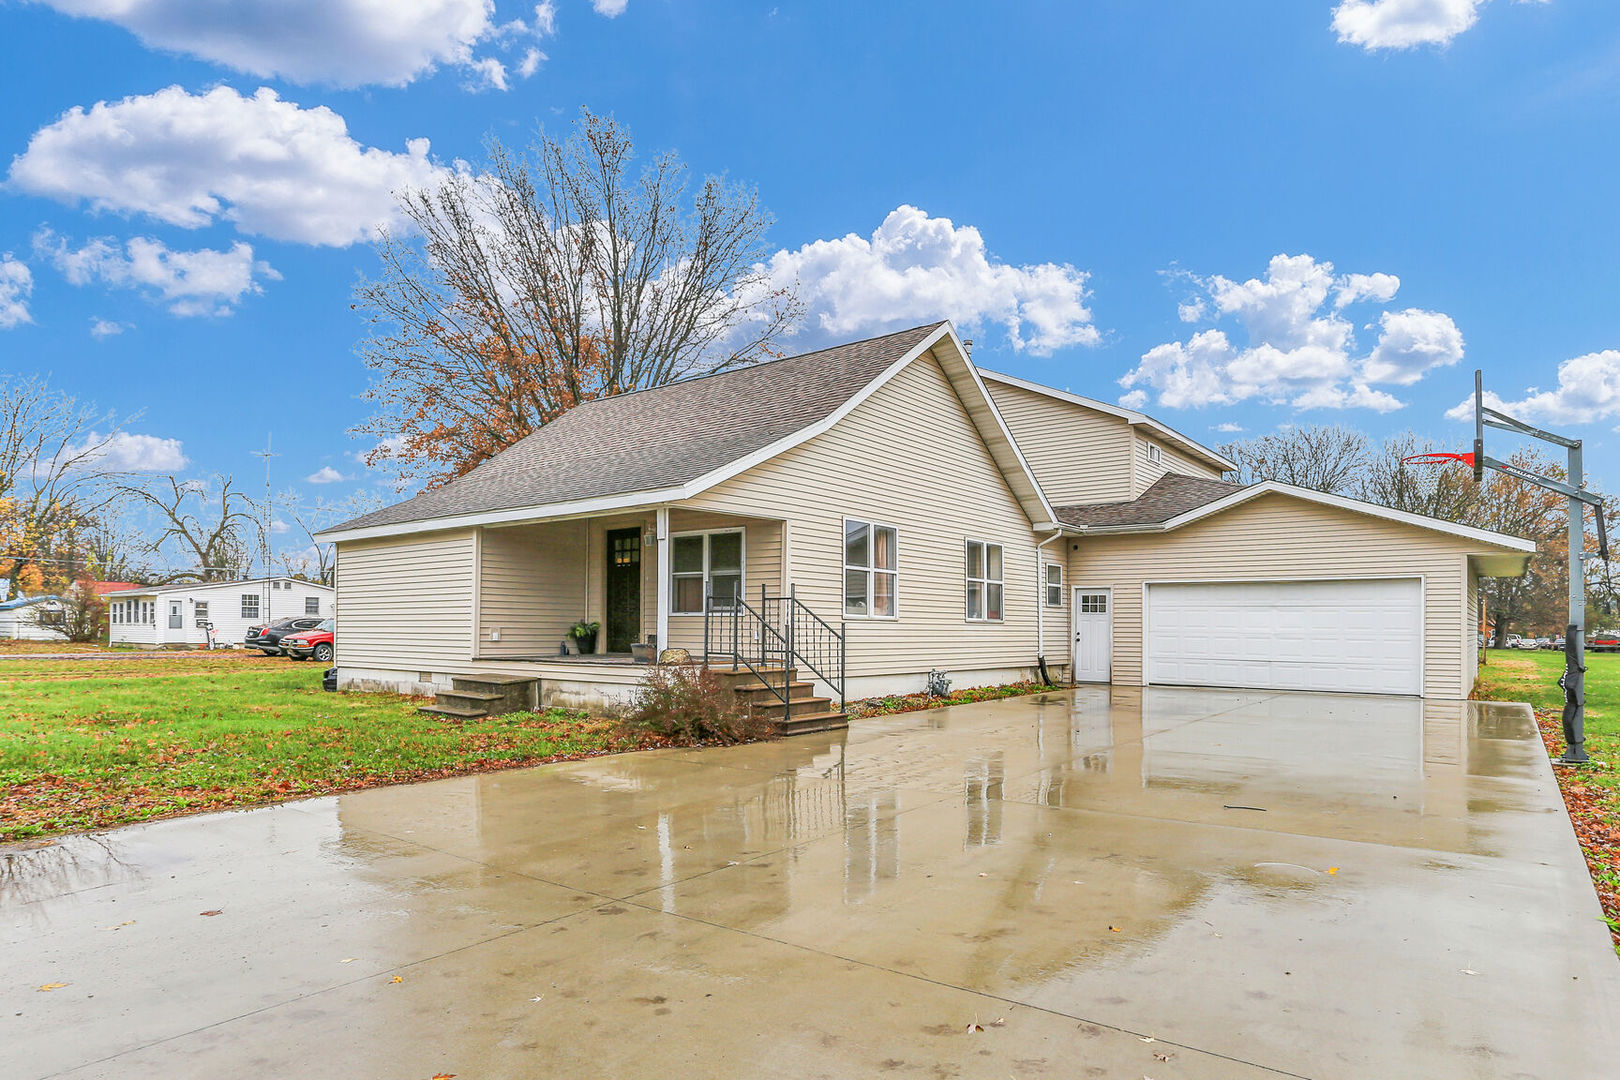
(1093, 614)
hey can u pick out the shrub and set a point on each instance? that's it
(688, 703)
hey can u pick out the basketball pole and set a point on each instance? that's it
(1573, 682)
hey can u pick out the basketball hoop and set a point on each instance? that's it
(1427, 481)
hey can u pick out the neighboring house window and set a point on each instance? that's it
(250, 605)
(312, 605)
(871, 569)
(705, 564)
(1054, 584)
(984, 581)
(202, 612)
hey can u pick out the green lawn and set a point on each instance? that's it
(1592, 793)
(93, 743)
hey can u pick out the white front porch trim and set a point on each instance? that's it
(661, 529)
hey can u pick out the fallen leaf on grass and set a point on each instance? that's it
(216, 911)
(51, 986)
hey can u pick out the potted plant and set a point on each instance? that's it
(583, 634)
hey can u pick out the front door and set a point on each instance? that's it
(623, 589)
(1093, 635)
(174, 615)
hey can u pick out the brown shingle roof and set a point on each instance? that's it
(1170, 495)
(659, 438)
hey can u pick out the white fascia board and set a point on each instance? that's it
(1046, 513)
(517, 515)
(1130, 416)
(1269, 487)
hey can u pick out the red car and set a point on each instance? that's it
(1603, 641)
(321, 642)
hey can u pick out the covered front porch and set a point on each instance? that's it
(643, 576)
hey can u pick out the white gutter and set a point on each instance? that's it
(1040, 595)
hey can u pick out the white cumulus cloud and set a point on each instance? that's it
(1299, 347)
(266, 165)
(105, 328)
(915, 268)
(202, 282)
(339, 42)
(324, 475)
(133, 453)
(1588, 391)
(16, 285)
(611, 8)
(1405, 24)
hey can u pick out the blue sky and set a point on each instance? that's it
(1097, 192)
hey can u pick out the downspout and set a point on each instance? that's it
(1040, 607)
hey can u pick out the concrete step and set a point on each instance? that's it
(486, 704)
(500, 693)
(743, 678)
(760, 694)
(809, 723)
(799, 706)
(453, 712)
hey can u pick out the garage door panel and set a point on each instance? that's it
(1350, 636)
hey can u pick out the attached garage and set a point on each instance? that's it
(1203, 583)
(1355, 636)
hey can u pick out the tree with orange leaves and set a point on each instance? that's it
(556, 276)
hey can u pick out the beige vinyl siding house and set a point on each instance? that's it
(926, 515)
(1080, 455)
(908, 457)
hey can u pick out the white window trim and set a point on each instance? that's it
(742, 566)
(984, 582)
(1155, 453)
(871, 572)
(258, 609)
(1047, 586)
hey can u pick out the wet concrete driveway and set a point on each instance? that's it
(1119, 883)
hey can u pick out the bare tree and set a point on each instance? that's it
(51, 477)
(208, 527)
(316, 560)
(1447, 492)
(1324, 458)
(555, 277)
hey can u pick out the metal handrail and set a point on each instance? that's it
(819, 656)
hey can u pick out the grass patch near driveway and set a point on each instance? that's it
(87, 744)
(1592, 793)
(904, 703)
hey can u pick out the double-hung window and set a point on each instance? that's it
(985, 584)
(705, 564)
(1054, 584)
(312, 605)
(250, 605)
(200, 615)
(871, 570)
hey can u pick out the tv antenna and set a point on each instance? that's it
(1573, 682)
(269, 519)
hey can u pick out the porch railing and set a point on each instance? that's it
(771, 636)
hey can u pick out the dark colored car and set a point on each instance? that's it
(267, 638)
(319, 642)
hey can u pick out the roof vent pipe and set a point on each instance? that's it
(967, 344)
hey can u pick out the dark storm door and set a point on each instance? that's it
(623, 589)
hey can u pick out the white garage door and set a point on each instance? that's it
(1361, 637)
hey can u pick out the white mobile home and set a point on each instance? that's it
(26, 618)
(179, 614)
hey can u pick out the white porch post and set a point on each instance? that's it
(662, 592)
